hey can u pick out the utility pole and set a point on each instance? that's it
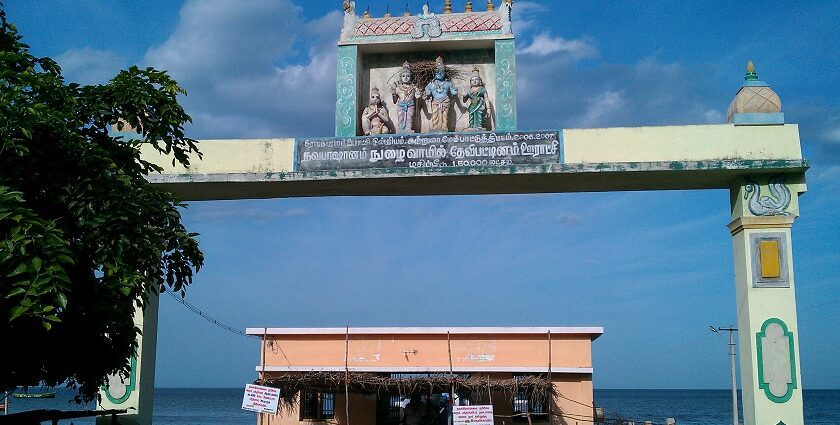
(732, 367)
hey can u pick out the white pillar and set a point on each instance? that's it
(136, 394)
(763, 211)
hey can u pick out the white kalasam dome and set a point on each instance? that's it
(754, 97)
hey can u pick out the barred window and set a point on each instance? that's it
(317, 405)
(524, 403)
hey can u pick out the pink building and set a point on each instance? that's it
(529, 374)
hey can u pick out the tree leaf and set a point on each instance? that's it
(61, 300)
(21, 268)
(16, 311)
(36, 264)
(15, 292)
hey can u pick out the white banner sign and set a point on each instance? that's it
(260, 399)
(472, 415)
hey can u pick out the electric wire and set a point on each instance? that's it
(209, 318)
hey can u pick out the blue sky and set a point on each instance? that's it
(653, 268)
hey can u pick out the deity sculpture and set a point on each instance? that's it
(405, 94)
(477, 95)
(437, 97)
(350, 19)
(375, 119)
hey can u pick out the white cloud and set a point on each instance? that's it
(250, 211)
(554, 92)
(600, 106)
(544, 44)
(828, 174)
(296, 212)
(222, 37)
(90, 66)
(714, 116)
(526, 15)
(568, 219)
(241, 65)
(833, 135)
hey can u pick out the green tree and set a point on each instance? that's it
(84, 239)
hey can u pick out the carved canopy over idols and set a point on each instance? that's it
(453, 23)
(425, 25)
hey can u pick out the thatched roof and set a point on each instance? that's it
(292, 383)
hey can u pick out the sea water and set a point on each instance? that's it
(211, 406)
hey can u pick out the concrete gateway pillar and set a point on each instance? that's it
(135, 394)
(763, 211)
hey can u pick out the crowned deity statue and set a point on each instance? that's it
(405, 94)
(375, 119)
(477, 95)
(438, 93)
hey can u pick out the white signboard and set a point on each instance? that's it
(472, 415)
(260, 399)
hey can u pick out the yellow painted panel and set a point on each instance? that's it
(681, 143)
(233, 156)
(769, 256)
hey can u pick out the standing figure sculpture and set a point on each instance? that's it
(477, 95)
(439, 91)
(375, 118)
(405, 95)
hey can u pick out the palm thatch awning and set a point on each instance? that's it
(291, 383)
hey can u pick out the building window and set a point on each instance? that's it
(524, 403)
(316, 405)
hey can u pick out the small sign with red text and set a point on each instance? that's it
(260, 399)
(472, 415)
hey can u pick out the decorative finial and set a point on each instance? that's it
(468, 7)
(367, 13)
(406, 66)
(490, 6)
(387, 10)
(406, 13)
(751, 74)
(756, 103)
(447, 6)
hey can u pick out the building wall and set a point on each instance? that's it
(362, 412)
(428, 352)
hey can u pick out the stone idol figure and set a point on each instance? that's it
(439, 91)
(477, 95)
(405, 94)
(375, 118)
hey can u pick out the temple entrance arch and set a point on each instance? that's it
(756, 156)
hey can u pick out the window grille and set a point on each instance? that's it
(317, 405)
(523, 403)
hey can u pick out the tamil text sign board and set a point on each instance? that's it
(472, 415)
(260, 399)
(493, 149)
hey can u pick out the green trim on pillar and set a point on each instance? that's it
(132, 384)
(762, 384)
(505, 85)
(347, 67)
